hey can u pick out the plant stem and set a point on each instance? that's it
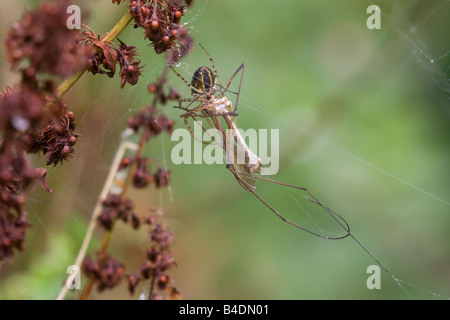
(152, 285)
(125, 188)
(87, 290)
(92, 224)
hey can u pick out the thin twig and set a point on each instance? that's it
(98, 207)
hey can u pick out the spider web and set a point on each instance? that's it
(435, 66)
(432, 57)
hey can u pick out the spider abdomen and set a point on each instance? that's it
(203, 81)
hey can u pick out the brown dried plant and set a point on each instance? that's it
(34, 119)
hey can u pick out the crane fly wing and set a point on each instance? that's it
(243, 162)
(247, 181)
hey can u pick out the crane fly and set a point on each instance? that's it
(209, 101)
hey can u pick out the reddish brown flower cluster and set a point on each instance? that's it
(152, 123)
(129, 65)
(159, 260)
(162, 178)
(157, 88)
(57, 138)
(142, 176)
(18, 112)
(106, 55)
(32, 118)
(115, 207)
(21, 109)
(42, 37)
(105, 271)
(160, 20)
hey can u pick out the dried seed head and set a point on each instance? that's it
(115, 207)
(151, 122)
(142, 177)
(72, 140)
(105, 270)
(43, 39)
(162, 178)
(163, 281)
(57, 138)
(152, 88)
(159, 260)
(160, 21)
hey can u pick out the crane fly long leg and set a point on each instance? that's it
(339, 219)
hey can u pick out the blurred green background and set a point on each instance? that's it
(364, 124)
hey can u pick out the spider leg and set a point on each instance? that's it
(189, 111)
(185, 81)
(180, 76)
(192, 132)
(180, 103)
(192, 112)
(216, 75)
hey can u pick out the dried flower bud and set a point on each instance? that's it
(162, 178)
(125, 163)
(161, 236)
(133, 281)
(174, 294)
(135, 221)
(152, 88)
(129, 65)
(163, 281)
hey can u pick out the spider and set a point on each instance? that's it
(204, 90)
(214, 104)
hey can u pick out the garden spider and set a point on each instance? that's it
(204, 89)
